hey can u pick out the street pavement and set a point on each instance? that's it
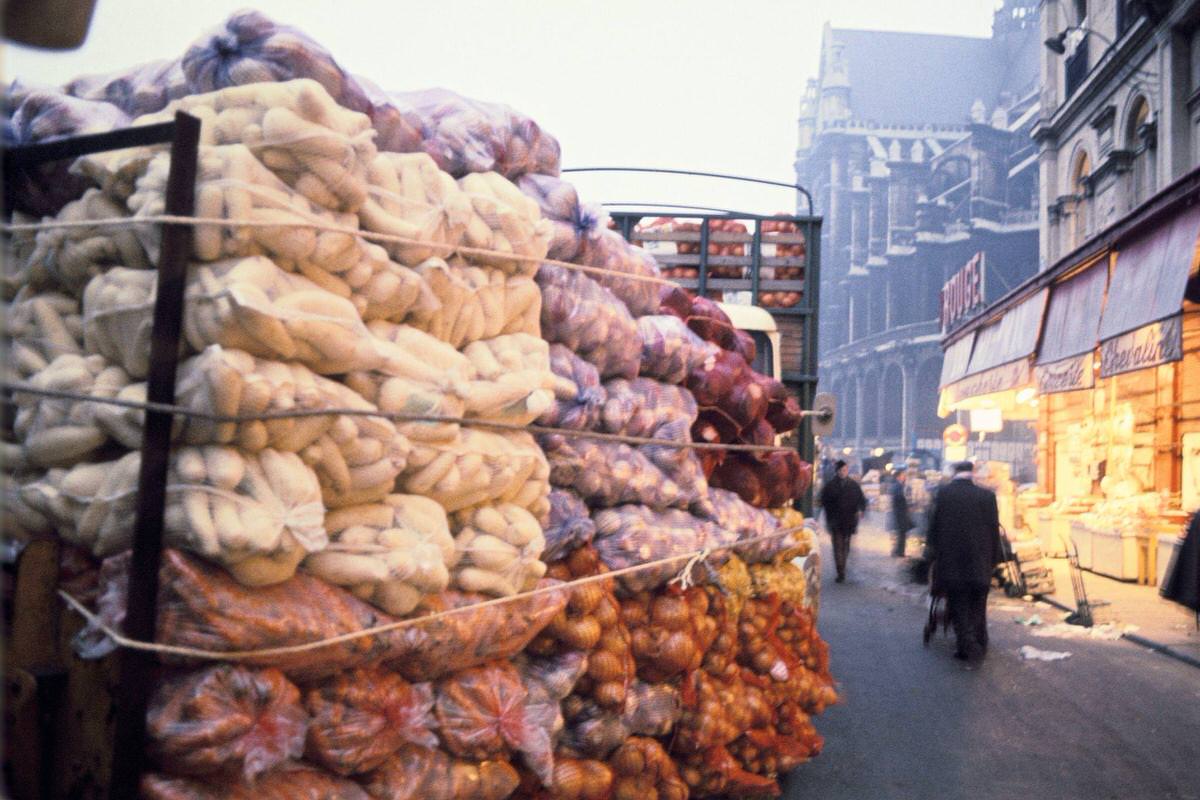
(1113, 720)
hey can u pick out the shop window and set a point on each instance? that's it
(1139, 140)
(1081, 190)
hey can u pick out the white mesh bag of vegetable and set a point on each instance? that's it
(498, 549)
(391, 553)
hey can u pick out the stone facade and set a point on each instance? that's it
(1121, 112)
(918, 153)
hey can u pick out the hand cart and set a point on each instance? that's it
(1084, 613)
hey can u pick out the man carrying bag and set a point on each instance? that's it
(963, 540)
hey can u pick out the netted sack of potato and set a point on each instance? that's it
(22, 521)
(297, 234)
(201, 605)
(229, 383)
(548, 681)
(591, 623)
(465, 135)
(568, 527)
(248, 304)
(295, 129)
(734, 514)
(480, 467)
(405, 396)
(138, 90)
(250, 47)
(650, 409)
(67, 258)
(578, 394)
(225, 721)
(468, 634)
(608, 473)
(57, 432)
(609, 251)
(390, 553)
(409, 198)
(257, 514)
(585, 317)
(642, 768)
(359, 718)
(629, 535)
(477, 302)
(505, 223)
(670, 632)
(421, 773)
(573, 779)
(37, 327)
(513, 382)
(716, 773)
(494, 711)
(572, 223)
(292, 781)
(35, 114)
(498, 549)
(670, 350)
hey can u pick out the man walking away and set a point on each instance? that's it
(902, 521)
(964, 540)
(843, 502)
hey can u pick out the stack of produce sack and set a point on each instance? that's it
(738, 405)
(771, 229)
(385, 254)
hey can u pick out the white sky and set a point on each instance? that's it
(691, 84)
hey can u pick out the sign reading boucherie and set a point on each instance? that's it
(1148, 346)
(962, 295)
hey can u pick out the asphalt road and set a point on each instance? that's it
(1112, 721)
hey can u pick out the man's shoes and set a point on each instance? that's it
(960, 655)
(840, 579)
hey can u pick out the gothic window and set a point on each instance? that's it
(1139, 140)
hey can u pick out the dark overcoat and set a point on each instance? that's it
(963, 535)
(1182, 584)
(842, 500)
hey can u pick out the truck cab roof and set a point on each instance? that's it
(749, 318)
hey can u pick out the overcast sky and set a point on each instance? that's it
(691, 84)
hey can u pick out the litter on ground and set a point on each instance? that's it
(1030, 653)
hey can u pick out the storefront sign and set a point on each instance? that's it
(1157, 343)
(1066, 375)
(962, 295)
(954, 434)
(987, 420)
(998, 379)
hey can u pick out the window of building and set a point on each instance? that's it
(1139, 140)
(1081, 190)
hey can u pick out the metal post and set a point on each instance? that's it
(141, 614)
(756, 263)
(702, 280)
(808, 388)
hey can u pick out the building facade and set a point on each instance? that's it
(918, 153)
(1106, 371)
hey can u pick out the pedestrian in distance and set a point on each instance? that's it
(902, 521)
(963, 539)
(843, 503)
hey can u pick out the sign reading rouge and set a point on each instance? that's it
(962, 295)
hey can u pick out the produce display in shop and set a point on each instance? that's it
(371, 332)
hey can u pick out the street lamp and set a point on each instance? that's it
(1058, 43)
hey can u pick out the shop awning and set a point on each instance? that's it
(1141, 325)
(1071, 331)
(999, 360)
(1014, 336)
(956, 359)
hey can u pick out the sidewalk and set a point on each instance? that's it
(1158, 623)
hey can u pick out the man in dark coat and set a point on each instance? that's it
(843, 502)
(964, 540)
(902, 521)
(1182, 583)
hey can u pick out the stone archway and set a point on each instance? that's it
(928, 424)
(870, 390)
(892, 390)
